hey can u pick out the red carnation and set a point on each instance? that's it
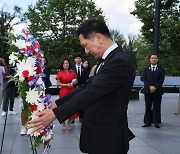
(23, 49)
(36, 45)
(31, 49)
(25, 73)
(41, 96)
(39, 56)
(33, 108)
(44, 133)
(30, 78)
(38, 70)
(46, 142)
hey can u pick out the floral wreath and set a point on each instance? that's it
(26, 57)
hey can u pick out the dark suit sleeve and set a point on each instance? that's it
(115, 75)
(86, 74)
(161, 79)
(46, 79)
(70, 95)
(144, 78)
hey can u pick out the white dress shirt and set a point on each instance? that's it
(153, 66)
(78, 68)
(107, 52)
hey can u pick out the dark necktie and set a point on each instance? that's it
(79, 72)
(153, 69)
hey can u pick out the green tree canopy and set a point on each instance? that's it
(118, 37)
(53, 23)
(127, 45)
(169, 34)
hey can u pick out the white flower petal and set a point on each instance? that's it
(20, 44)
(13, 58)
(40, 106)
(32, 96)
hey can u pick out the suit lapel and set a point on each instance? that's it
(111, 54)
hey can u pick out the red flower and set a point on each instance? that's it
(36, 45)
(44, 133)
(23, 49)
(25, 73)
(31, 49)
(41, 96)
(33, 108)
(38, 70)
(39, 56)
(30, 78)
(46, 142)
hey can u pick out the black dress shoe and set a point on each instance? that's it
(147, 125)
(157, 125)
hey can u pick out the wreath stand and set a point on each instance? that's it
(34, 150)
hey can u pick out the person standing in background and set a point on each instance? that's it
(92, 72)
(67, 79)
(47, 72)
(87, 66)
(82, 76)
(3, 70)
(153, 78)
(9, 92)
(81, 72)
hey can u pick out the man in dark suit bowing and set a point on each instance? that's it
(104, 97)
(153, 78)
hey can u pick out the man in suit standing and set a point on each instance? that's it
(104, 97)
(47, 73)
(153, 78)
(82, 76)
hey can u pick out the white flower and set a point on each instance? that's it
(20, 44)
(26, 65)
(29, 132)
(28, 44)
(33, 115)
(13, 58)
(31, 61)
(40, 107)
(48, 136)
(32, 96)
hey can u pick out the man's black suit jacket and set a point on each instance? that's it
(104, 99)
(84, 75)
(153, 79)
(46, 79)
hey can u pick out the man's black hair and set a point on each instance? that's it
(78, 55)
(154, 54)
(91, 26)
(46, 60)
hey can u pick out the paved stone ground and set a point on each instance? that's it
(151, 140)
